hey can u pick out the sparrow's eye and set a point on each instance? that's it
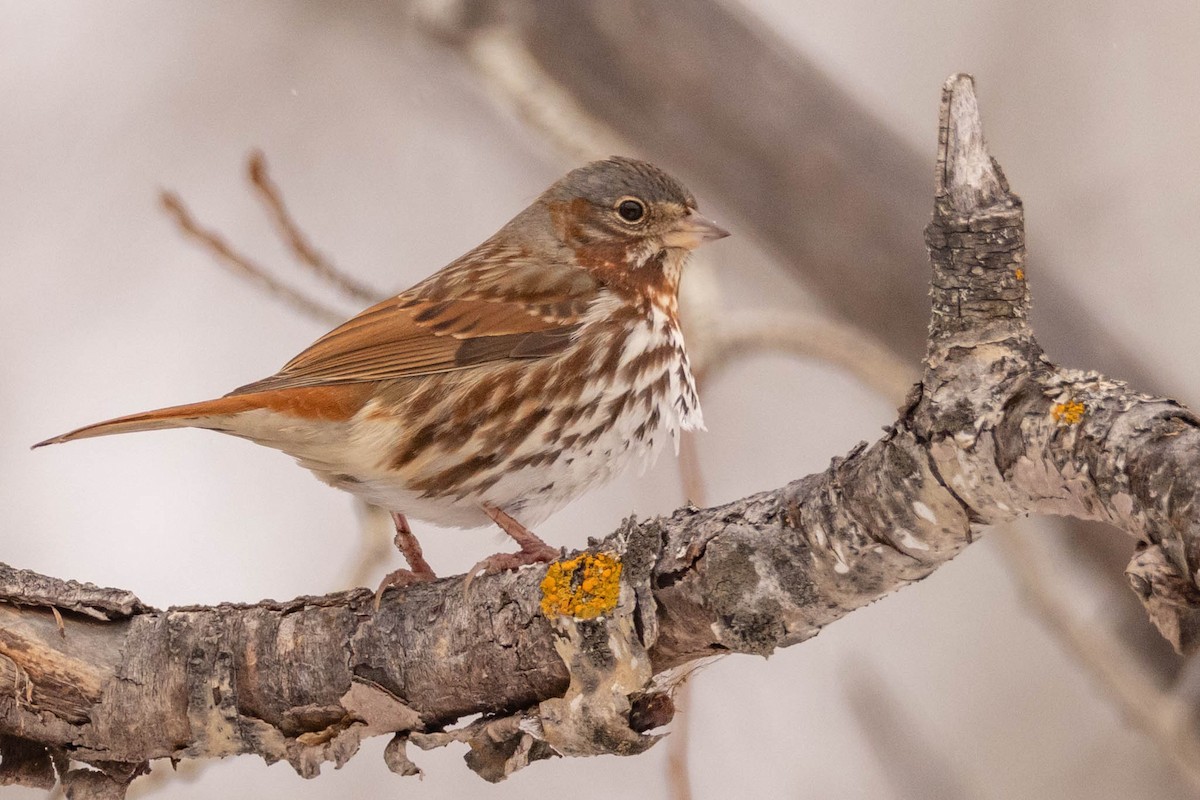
(631, 209)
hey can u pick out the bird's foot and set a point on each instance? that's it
(400, 578)
(533, 549)
(502, 562)
(410, 548)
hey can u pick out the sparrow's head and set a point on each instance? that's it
(626, 206)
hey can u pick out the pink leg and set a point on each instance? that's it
(419, 570)
(533, 549)
(408, 545)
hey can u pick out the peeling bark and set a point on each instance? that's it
(992, 432)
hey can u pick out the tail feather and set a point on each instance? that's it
(321, 403)
(193, 415)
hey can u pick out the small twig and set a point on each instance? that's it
(701, 299)
(679, 780)
(809, 336)
(915, 766)
(243, 266)
(516, 78)
(1159, 714)
(306, 254)
(375, 547)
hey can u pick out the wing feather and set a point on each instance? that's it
(442, 325)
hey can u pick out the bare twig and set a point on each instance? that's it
(679, 774)
(306, 254)
(814, 337)
(1165, 718)
(917, 769)
(243, 266)
(517, 79)
(376, 547)
(679, 780)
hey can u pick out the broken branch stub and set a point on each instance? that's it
(1012, 434)
(580, 658)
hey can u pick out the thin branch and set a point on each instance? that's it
(679, 773)
(1165, 718)
(376, 547)
(679, 778)
(699, 301)
(811, 337)
(917, 770)
(302, 249)
(242, 265)
(517, 79)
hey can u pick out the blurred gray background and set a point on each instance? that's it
(395, 157)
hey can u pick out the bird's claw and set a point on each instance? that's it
(502, 562)
(399, 579)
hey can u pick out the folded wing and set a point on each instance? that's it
(455, 320)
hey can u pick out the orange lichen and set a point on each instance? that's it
(583, 587)
(1068, 413)
(1020, 274)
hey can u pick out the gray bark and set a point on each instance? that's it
(993, 431)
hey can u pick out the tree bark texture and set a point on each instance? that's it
(580, 658)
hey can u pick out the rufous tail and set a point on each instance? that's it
(186, 416)
(327, 403)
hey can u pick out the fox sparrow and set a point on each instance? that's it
(529, 370)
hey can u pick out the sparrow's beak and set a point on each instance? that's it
(693, 231)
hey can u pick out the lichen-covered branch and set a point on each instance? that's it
(580, 658)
